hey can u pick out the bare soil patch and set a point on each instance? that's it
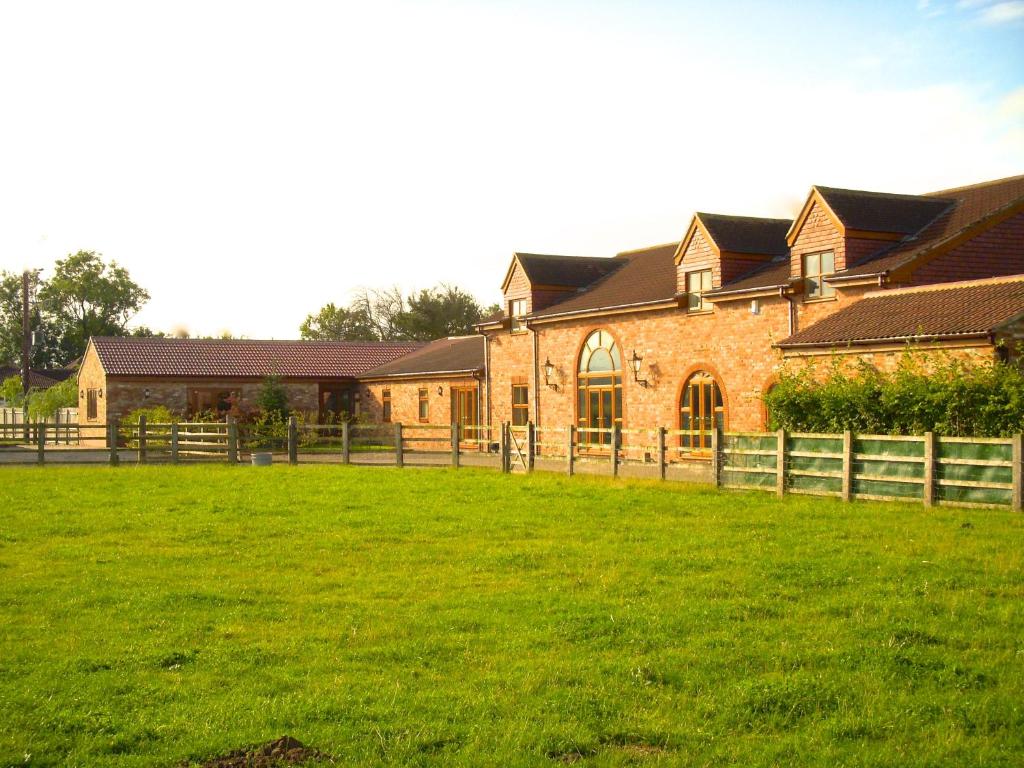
(280, 752)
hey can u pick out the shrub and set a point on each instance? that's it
(272, 398)
(926, 393)
(157, 414)
(10, 391)
(43, 403)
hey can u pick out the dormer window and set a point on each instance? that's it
(517, 313)
(816, 267)
(697, 283)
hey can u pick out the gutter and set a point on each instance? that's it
(792, 309)
(667, 303)
(884, 340)
(420, 375)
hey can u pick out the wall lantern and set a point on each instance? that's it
(634, 365)
(81, 393)
(440, 390)
(549, 374)
(101, 392)
(145, 394)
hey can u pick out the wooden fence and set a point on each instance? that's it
(966, 471)
(927, 468)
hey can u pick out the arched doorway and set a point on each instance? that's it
(599, 389)
(701, 409)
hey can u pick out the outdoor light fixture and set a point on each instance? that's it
(440, 390)
(634, 365)
(145, 393)
(549, 374)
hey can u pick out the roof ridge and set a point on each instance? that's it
(890, 195)
(559, 256)
(934, 287)
(737, 217)
(646, 248)
(977, 185)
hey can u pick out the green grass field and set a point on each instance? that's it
(161, 615)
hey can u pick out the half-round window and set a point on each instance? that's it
(599, 390)
(701, 409)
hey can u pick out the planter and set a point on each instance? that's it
(262, 459)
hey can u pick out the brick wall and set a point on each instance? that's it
(91, 376)
(697, 256)
(122, 396)
(886, 360)
(405, 399)
(511, 362)
(819, 233)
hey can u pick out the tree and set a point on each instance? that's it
(46, 349)
(43, 403)
(333, 323)
(11, 391)
(86, 297)
(438, 312)
(272, 398)
(387, 315)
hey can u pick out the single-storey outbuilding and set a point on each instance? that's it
(191, 376)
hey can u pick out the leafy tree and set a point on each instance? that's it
(46, 349)
(272, 398)
(441, 311)
(387, 315)
(333, 323)
(87, 297)
(11, 391)
(43, 403)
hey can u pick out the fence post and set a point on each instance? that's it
(399, 448)
(780, 463)
(570, 456)
(506, 463)
(662, 454)
(1018, 456)
(614, 445)
(24, 422)
(142, 439)
(345, 444)
(929, 469)
(56, 427)
(293, 440)
(112, 437)
(41, 441)
(232, 440)
(716, 447)
(455, 444)
(531, 438)
(174, 443)
(846, 490)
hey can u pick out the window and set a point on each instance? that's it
(517, 312)
(701, 409)
(385, 404)
(696, 284)
(92, 404)
(210, 401)
(599, 390)
(424, 397)
(520, 405)
(816, 267)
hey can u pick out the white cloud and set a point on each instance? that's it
(1003, 13)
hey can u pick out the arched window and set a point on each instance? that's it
(701, 408)
(599, 389)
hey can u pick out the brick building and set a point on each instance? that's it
(189, 376)
(689, 334)
(682, 335)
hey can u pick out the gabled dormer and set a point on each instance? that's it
(536, 281)
(838, 228)
(719, 249)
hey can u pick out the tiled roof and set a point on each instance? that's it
(882, 211)
(646, 276)
(565, 271)
(972, 308)
(970, 205)
(747, 234)
(38, 379)
(458, 354)
(774, 274)
(244, 358)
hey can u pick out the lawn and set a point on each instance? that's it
(162, 615)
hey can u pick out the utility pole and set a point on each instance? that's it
(26, 330)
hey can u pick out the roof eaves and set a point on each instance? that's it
(882, 340)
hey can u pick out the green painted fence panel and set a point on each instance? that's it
(882, 488)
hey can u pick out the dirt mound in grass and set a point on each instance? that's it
(280, 752)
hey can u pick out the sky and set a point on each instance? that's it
(249, 162)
